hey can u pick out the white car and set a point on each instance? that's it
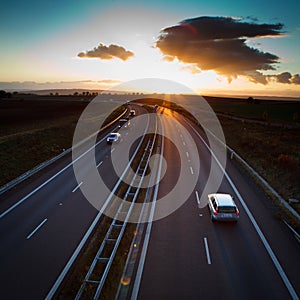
(113, 137)
(222, 207)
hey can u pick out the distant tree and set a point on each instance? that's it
(250, 100)
(265, 116)
(4, 94)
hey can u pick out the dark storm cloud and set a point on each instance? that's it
(211, 28)
(220, 44)
(107, 52)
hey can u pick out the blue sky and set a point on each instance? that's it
(41, 41)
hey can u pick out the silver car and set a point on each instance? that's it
(222, 207)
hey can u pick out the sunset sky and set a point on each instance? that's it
(213, 47)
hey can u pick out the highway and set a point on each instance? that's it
(39, 235)
(189, 257)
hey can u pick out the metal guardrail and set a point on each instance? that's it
(264, 183)
(106, 253)
(296, 234)
(126, 284)
(88, 233)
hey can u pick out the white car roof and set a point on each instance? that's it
(223, 199)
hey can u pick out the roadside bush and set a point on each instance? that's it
(285, 159)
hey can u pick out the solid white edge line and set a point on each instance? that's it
(47, 181)
(140, 269)
(100, 163)
(72, 259)
(77, 187)
(257, 228)
(36, 229)
(198, 199)
(207, 251)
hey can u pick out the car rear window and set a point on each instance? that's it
(227, 209)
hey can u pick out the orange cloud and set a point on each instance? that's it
(219, 44)
(107, 52)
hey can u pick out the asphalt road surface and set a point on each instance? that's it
(189, 257)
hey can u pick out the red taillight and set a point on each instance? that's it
(216, 212)
(237, 212)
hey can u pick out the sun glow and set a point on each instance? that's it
(52, 61)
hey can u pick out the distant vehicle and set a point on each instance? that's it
(222, 207)
(113, 137)
(132, 112)
(125, 123)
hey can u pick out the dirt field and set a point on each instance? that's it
(273, 152)
(33, 131)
